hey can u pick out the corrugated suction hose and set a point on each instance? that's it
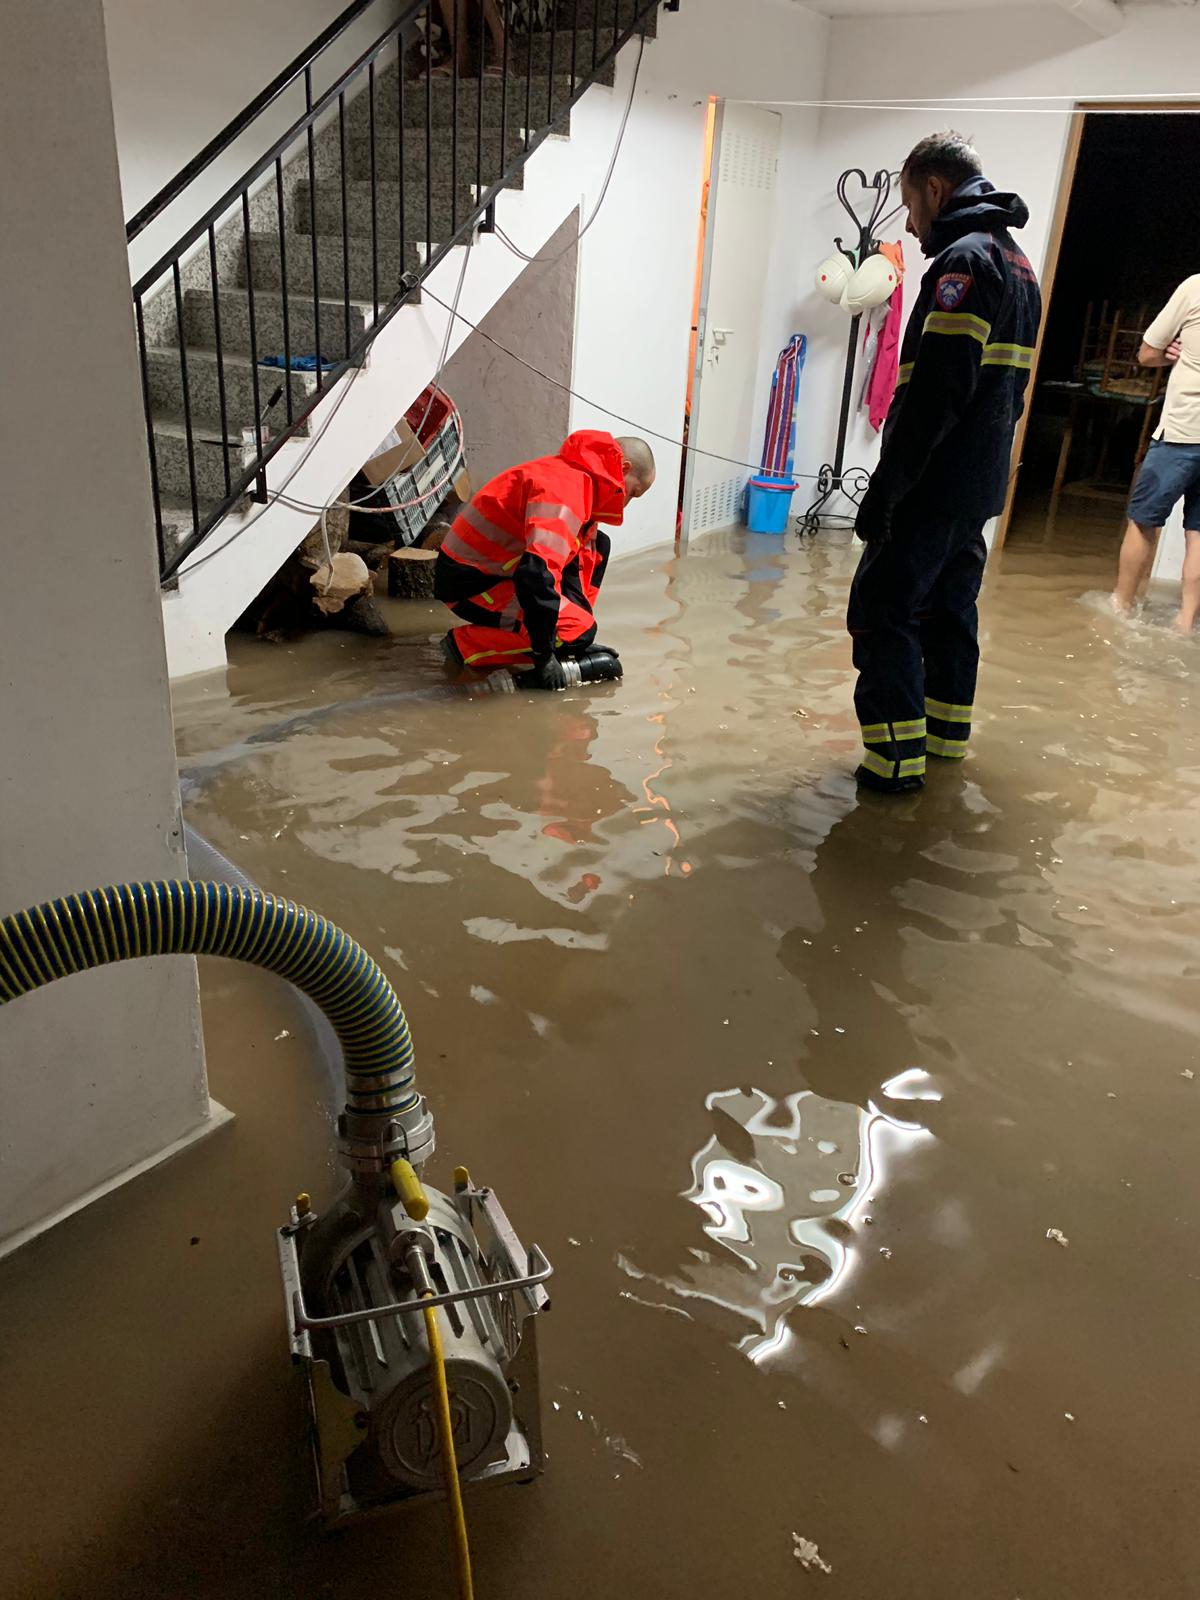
(121, 923)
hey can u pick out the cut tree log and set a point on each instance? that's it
(410, 574)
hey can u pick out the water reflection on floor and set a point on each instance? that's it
(862, 1133)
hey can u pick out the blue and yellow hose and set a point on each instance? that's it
(121, 923)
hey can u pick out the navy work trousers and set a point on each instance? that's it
(915, 624)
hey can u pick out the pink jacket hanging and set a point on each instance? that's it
(887, 362)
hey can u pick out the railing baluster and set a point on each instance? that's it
(374, 197)
(528, 79)
(553, 62)
(155, 493)
(345, 222)
(429, 138)
(187, 398)
(283, 298)
(455, 46)
(504, 88)
(261, 483)
(217, 342)
(401, 142)
(483, 35)
(312, 220)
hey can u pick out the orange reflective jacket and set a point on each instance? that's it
(535, 526)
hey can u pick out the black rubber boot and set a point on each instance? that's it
(871, 780)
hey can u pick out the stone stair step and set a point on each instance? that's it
(441, 103)
(178, 524)
(585, 47)
(266, 266)
(447, 216)
(200, 324)
(605, 12)
(171, 458)
(164, 372)
(387, 154)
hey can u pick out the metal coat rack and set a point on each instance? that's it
(834, 477)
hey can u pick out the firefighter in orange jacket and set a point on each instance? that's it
(523, 564)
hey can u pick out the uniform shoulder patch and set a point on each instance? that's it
(952, 290)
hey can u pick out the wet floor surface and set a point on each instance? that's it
(861, 1132)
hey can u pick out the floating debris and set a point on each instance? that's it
(1058, 1236)
(807, 1554)
(284, 1033)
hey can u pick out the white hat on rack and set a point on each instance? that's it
(833, 277)
(874, 282)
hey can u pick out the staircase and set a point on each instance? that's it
(328, 239)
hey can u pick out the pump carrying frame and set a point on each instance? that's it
(834, 477)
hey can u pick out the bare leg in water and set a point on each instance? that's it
(1190, 604)
(1137, 558)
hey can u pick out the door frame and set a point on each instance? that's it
(1062, 205)
(697, 374)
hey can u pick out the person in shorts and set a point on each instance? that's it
(1171, 471)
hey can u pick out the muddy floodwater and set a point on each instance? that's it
(862, 1132)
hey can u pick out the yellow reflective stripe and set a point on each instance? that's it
(954, 749)
(905, 373)
(956, 322)
(946, 712)
(482, 655)
(877, 764)
(486, 597)
(888, 732)
(914, 768)
(1008, 355)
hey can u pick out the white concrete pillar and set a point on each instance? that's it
(100, 1074)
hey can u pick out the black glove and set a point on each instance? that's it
(548, 673)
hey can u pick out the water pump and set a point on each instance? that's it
(358, 1280)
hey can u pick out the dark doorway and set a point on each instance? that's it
(1128, 240)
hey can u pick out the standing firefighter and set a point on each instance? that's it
(523, 564)
(964, 368)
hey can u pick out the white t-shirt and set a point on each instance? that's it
(1180, 319)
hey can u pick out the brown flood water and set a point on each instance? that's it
(790, 1084)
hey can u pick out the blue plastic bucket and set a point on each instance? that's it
(769, 504)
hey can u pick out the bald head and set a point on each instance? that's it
(639, 466)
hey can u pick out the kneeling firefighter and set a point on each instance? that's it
(523, 564)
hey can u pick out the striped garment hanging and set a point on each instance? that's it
(779, 451)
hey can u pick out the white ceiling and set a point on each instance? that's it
(909, 8)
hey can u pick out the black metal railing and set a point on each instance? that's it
(242, 287)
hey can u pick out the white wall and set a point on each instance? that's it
(103, 1070)
(181, 71)
(935, 62)
(638, 263)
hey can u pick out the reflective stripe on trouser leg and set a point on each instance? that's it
(949, 729)
(894, 750)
